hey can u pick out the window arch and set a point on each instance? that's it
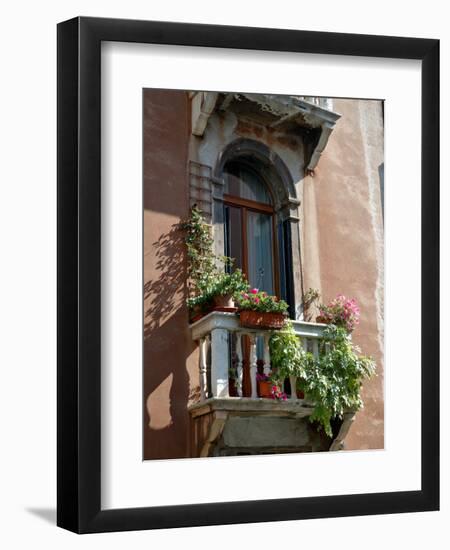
(269, 165)
(259, 194)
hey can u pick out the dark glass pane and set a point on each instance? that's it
(233, 234)
(260, 251)
(244, 182)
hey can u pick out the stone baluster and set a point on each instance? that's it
(239, 363)
(202, 367)
(220, 356)
(266, 337)
(293, 381)
(253, 365)
(315, 348)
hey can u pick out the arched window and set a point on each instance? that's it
(258, 192)
(250, 224)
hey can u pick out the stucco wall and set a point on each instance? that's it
(343, 242)
(170, 362)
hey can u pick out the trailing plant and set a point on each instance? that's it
(342, 312)
(256, 300)
(287, 355)
(333, 380)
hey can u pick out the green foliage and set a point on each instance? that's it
(228, 284)
(287, 355)
(201, 259)
(333, 380)
(209, 275)
(256, 300)
(202, 302)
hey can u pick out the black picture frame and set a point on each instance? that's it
(79, 280)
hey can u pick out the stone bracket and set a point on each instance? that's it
(215, 432)
(203, 105)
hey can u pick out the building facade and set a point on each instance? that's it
(293, 189)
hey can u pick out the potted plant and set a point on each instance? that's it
(212, 282)
(258, 309)
(342, 312)
(197, 305)
(225, 286)
(264, 385)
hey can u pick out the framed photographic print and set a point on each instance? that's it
(248, 309)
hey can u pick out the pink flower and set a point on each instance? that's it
(256, 300)
(254, 291)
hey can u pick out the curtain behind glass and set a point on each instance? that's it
(260, 251)
(241, 181)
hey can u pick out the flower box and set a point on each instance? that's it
(262, 319)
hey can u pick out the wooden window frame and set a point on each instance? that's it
(244, 205)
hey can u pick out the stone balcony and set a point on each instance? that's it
(223, 425)
(214, 333)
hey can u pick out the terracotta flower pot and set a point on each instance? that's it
(262, 319)
(226, 301)
(264, 388)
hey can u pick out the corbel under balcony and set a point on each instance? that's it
(229, 427)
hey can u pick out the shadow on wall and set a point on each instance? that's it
(165, 293)
(166, 348)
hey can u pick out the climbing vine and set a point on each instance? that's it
(199, 242)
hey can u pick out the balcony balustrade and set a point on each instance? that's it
(214, 335)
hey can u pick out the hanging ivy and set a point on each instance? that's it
(333, 380)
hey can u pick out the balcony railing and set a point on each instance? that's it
(216, 331)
